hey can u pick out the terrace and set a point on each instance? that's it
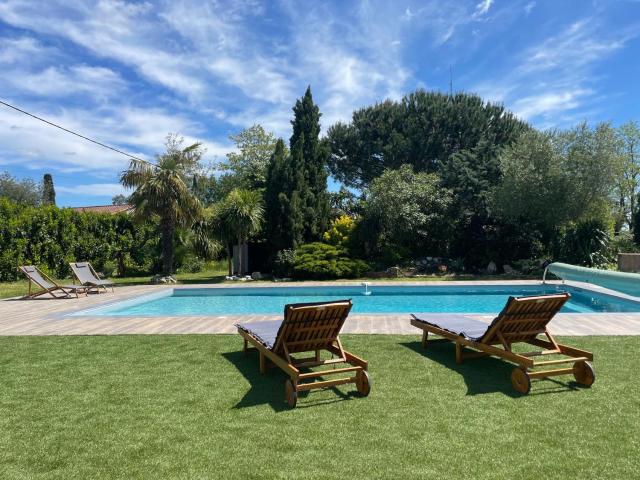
(46, 317)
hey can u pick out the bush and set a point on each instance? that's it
(320, 261)
(340, 230)
(108, 268)
(284, 262)
(191, 264)
(624, 243)
(586, 243)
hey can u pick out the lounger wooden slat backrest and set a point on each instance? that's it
(311, 326)
(523, 319)
(34, 275)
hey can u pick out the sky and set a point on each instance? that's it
(129, 73)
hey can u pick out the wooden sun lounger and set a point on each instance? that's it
(521, 321)
(87, 276)
(307, 327)
(48, 285)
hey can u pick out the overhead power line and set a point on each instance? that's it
(76, 133)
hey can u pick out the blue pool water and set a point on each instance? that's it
(383, 299)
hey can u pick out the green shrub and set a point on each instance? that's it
(340, 231)
(321, 261)
(108, 268)
(586, 243)
(191, 264)
(624, 243)
(284, 262)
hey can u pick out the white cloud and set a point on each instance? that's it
(550, 102)
(140, 132)
(554, 79)
(98, 82)
(482, 8)
(14, 50)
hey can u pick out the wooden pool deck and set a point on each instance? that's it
(47, 316)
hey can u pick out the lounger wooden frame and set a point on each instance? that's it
(311, 328)
(90, 284)
(67, 290)
(523, 320)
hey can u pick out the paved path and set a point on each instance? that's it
(50, 317)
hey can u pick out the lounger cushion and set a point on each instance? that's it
(457, 324)
(265, 332)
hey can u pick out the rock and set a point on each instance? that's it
(256, 276)
(509, 270)
(158, 279)
(492, 268)
(393, 271)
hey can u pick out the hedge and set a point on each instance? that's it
(51, 237)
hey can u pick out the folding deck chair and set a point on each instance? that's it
(47, 284)
(522, 320)
(87, 276)
(307, 327)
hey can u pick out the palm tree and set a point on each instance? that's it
(161, 191)
(236, 219)
(217, 222)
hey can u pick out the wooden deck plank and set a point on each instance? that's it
(49, 317)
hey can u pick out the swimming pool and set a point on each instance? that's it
(382, 299)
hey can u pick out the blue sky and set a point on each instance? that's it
(128, 73)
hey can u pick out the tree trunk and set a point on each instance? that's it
(230, 258)
(120, 263)
(240, 272)
(167, 248)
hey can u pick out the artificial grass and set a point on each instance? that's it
(194, 406)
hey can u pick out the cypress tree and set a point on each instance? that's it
(277, 201)
(296, 181)
(48, 192)
(314, 198)
(296, 198)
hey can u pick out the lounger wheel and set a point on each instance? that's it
(363, 383)
(520, 380)
(584, 373)
(290, 394)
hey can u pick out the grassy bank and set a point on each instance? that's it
(196, 407)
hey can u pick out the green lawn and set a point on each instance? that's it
(196, 407)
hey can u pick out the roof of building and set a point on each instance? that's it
(109, 209)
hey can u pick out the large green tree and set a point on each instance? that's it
(162, 191)
(405, 213)
(423, 130)
(628, 173)
(249, 162)
(551, 179)
(24, 192)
